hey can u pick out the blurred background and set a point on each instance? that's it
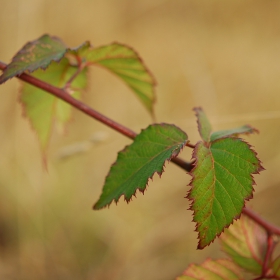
(221, 55)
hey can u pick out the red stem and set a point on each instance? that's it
(269, 251)
(60, 93)
(270, 228)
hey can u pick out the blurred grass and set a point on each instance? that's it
(221, 55)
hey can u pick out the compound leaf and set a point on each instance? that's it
(120, 59)
(138, 162)
(34, 55)
(221, 269)
(246, 243)
(221, 183)
(124, 62)
(222, 178)
(44, 109)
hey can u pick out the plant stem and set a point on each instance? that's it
(69, 82)
(187, 166)
(270, 228)
(270, 246)
(62, 94)
(80, 67)
(190, 145)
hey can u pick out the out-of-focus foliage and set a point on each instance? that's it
(221, 55)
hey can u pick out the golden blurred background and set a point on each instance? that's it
(221, 55)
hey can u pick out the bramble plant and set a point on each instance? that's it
(222, 165)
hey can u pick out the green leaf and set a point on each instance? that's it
(246, 243)
(221, 269)
(222, 181)
(42, 109)
(34, 55)
(138, 162)
(204, 127)
(245, 129)
(222, 178)
(124, 62)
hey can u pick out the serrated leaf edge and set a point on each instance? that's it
(173, 155)
(135, 55)
(194, 159)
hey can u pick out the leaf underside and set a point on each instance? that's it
(125, 63)
(43, 110)
(44, 52)
(221, 178)
(119, 59)
(137, 163)
(221, 269)
(246, 243)
(34, 55)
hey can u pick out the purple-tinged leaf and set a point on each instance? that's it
(44, 110)
(34, 55)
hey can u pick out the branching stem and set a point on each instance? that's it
(270, 228)
(62, 94)
(187, 166)
(81, 67)
(69, 82)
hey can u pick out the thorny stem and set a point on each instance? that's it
(187, 166)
